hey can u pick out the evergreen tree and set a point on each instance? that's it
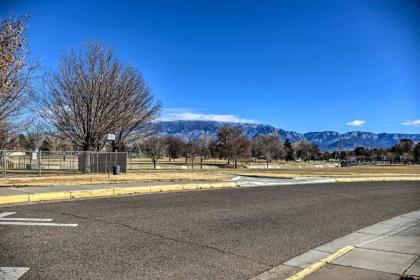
(288, 150)
(416, 152)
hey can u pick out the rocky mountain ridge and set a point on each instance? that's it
(326, 140)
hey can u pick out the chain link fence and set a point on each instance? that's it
(26, 163)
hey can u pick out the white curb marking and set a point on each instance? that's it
(12, 273)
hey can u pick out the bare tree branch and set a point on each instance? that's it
(15, 71)
(92, 93)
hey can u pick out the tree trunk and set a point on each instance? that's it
(154, 163)
(236, 164)
(86, 162)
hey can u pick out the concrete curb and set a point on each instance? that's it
(376, 179)
(68, 195)
(314, 267)
(71, 195)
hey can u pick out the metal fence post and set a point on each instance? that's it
(4, 164)
(39, 162)
(108, 159)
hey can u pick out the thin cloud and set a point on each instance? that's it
(175, 114)
(415, 123)
(357, 123)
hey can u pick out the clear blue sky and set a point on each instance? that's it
(299, 65)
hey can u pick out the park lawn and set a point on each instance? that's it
(89, 179)
(173, 175)
(354, 171)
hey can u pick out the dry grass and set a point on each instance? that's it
(368, 171)
(86, 179)
(290, 170)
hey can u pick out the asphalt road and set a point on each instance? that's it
(214, 234)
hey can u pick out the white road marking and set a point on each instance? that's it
(237, 178)
(5, 214)
(38, 224)
(245, 181)
(12, 273)
(26, 219)
(29, 222)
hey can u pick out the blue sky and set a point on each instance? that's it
(299, 65)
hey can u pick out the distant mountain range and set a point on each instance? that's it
(326, 140)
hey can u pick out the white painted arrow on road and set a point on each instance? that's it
(29, 221)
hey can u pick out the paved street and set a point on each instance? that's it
(214, 234)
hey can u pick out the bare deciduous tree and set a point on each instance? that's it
(226, 138)
(204, 144)
(6, 130)
(34, 137)
(242, 149)
(233, 144)
(92, 93)
(15, 73)
(175, 147)
(154, 148)
(307, 151)
(191, 151)
(268, 146)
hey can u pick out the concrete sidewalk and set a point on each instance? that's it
(392, 250)
(387, 250)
